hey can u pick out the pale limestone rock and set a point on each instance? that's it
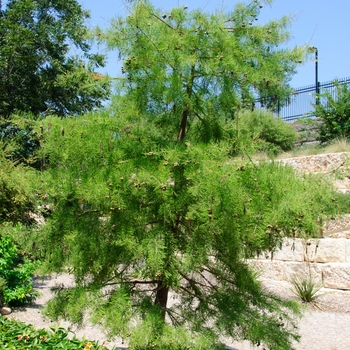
(347, 251)
(325, 250)
(320, 163)
(292, 250)
(286, 270)
(336, 275)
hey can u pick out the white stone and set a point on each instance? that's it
(347, 251)
(287, 270)
(326, 250)
(292, 250)
(336, 276)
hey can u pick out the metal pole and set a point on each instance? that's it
(317, 85)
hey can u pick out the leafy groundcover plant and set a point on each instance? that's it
(16, 272)
(18, 335)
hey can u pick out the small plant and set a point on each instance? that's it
(306, 288)
(16, 273)
(18, 335)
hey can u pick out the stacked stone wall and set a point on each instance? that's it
(327, 259)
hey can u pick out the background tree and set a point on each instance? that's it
(38, 72)
(192, 68)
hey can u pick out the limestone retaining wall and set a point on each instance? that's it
(327, 259)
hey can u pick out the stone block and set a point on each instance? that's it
(292, 250)
(325, 250)
(336, 276)
(286, 270)
(347, 251)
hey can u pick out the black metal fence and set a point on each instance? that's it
(301, 102)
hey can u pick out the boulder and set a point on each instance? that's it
(5, 311)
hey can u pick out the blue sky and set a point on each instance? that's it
(320, 23)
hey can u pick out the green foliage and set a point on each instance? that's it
(306, 288)
(16, 196)
(342, 202)
(334, 113)
(138, 219)
(37, 72)
(16, 204)
(157, 231)
(18, 335)
(184, 67)
(261, 131)
(16, 271)
(18, 141)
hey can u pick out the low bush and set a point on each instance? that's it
(18, 335)
(261, 131)
(16, 271)
(334, 113)
(16, 195)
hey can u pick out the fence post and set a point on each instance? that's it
(317, 84)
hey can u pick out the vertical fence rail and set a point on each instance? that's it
(301, 102)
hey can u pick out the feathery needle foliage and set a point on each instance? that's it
(140, 225)
(151, 213)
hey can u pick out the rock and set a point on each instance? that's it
(326, 250)
(5, 311)
(336, 276)
(292, 250)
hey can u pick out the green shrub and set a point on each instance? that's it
(306, 288)
(16, 182)
(18, 335)
(334, 113)
(261, 131)
(16, 273)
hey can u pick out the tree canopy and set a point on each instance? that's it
(158, 238)
(190, 67)
(40, 73)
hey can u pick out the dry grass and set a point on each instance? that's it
(336, 146)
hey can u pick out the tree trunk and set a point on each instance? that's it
(162, 297)
(186, 111)
(182, 131)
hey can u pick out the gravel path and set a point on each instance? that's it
(328, 329)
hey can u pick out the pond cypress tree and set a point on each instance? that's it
(151, 214)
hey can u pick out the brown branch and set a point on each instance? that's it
(137, 281)
(186, 111)
(167, 24)
(221, 277)
(192, 293)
